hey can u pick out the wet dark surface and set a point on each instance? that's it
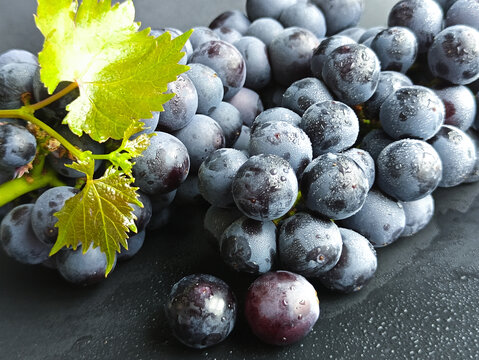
(422, 303)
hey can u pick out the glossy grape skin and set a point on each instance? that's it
(352, 73)
(463, 12)
(381, 220)
(143, 214)
(266, 8)
(227, 34)
(457, 153)
(226, 61)
(216, 174)
(201, 137)
(82, 269)
(6, 174)
(18, 239)
(389, 82)
(301, 94)
(15, 80)
(308, 245)
(365, 162)
(356, 266)
(281, 307)
(418, 214)
(249, 246)
(306, 16)
(17, 146)
(135, 242)
(282, 139)
(423, 17)
(334, 185)
(149, 125)
(242, 143)
(408, 169)
(276, 114)
(375, 141)
(163, 166)
(248, 103)
(217, 219)
(473, 176)
(200, 35)
(340, 14)
(209, 90)
(412, 111)
(228, 118)
(454, 55)
(187, 48)
(47, 204)
(326, 46)
(201, 310)
(460, 106)
(17, 56)
(255, 55)
(265, 29)
(396, 48)
(290, 55)
(265, 187)
(233, 19)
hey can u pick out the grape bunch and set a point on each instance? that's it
(313, 141)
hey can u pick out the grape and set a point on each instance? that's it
(201, 137)
(334, 185)
(189, 191)
(216, 174)
(6, 174)
(226, 61)
(18, 239)
(340, 14)
(389, 82)
(5, 209)
(143, 214)
(135, 242)
(290, 54)
(17, 56)
(242, 143)
(158, 202)
(149, 126)
(248, 103)
(272, 95)
(281, 307)
(82, 269)
(418, 214)
(457, 153)
(309, 245)
(396, 48)
(381, 220)
(374, 142)
(234, 19)
(352, 73)
(17, 146)
(301, 94)
(353, 33)
(209, 89)
(454, 55)
(331, 125)
(249, 245)
(228, 118)
(47, 204)
(163, 166)
(460, 106)
(408, 169)
(201, 310)
(255, 55)
(306, 16)
(217, 219)
(423, 17)
(187, 48)
(463, 12)
(328, 45)
(200, 35)
(356, 266)
(412, 111)
(265, 29)
(277, 114)
(179, 111)
(282, 139)
(365, 162)
(227, 34)
(15, 80)
(474, 174)
(370, 33)
(266, 8)
(60, 157)
(265, 187)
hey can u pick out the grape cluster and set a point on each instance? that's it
(314, 141)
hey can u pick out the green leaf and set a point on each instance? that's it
(100, 215)
(122, 73)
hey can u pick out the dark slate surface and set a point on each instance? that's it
(422, 304)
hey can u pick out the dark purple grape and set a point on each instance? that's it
(277, 114)
(217, 219)
(301, 94)
(17, 145)
(209, 90)
(272, 95)
(266, 8)
(15, 79)
(326, 47)
(159, 201)
(304, 15)
(135, 242)
(463, 12)
(370, 33)
(202, 34)
(354, 33)
(227, 34)
(340, 14)
(265, 29)
(255, 54)
(418, 214)
(460, 106)
(233, 19)
(375, 141)
(143, 214)
(242, 143)
(365, 162)
(356, 266)
(228, 118)
(248, 103)
(201, 310)
(281, 307)
(17, 56)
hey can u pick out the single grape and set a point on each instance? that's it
(202, 34)
(463, 12)
(304, 15)
(326, 47)
(17, 56)
(242, 143)
(265, 29)
(276, 114)
(15, 79)
(209, 89)
(228, 118)
(255, 55)
(233, 19)
(159, 201)
(370, 33)
(17, 146)
(365, 162)
(418, 214)
(301, 94)
(143, 214)
(227, 34)
(248, 103)
(340, 14)
(266, 8)
(217, 219)
(460, 106)
(135, 242)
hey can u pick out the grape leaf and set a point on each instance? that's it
(100, 215)
(122, 73)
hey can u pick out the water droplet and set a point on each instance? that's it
(285, 302)
(302, 302)
(300, 317)
(273, 172)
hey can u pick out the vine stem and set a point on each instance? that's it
(54, 97)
